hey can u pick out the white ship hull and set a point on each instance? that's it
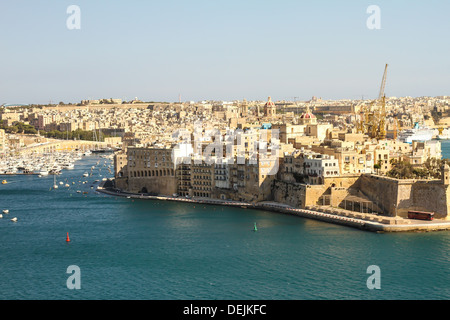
(408, 136)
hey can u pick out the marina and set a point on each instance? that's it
(42, 164)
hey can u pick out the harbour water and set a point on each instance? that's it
(145, 249)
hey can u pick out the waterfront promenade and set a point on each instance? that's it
(362, 221)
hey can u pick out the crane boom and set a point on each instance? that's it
(383, 83)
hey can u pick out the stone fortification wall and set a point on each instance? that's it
(396, 197)
(296, 194)
(334, 190)
(158, 185)
(393, 197)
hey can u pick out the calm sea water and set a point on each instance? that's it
(137, 249)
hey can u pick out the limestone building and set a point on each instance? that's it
(150, 170)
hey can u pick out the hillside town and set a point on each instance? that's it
(249, 151)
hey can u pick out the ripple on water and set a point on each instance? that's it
(161, 250)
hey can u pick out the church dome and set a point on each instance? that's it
(307, 116)
(269, 103)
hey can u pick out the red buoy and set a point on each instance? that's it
(67, 239)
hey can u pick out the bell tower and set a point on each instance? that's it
(243, 108)
(445, 174)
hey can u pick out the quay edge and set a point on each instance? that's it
(320, 215)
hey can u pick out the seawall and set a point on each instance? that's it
(366, 222)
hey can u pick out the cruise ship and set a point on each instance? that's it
(416, 134)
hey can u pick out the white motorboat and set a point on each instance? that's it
(6, 211)
(68, 166)
(14, 219)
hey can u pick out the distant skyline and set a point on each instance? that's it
(221, 50)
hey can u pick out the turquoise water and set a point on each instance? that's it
(445, 146)
(138, 249)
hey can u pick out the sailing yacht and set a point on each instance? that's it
(55, 186)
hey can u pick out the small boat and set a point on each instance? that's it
(66, 185)
(55, 186)
(255, 228)
(4, 182)
(6, 211)
(1, 216)
(85, 174)
(14, 219)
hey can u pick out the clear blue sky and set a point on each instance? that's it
(223, 50)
